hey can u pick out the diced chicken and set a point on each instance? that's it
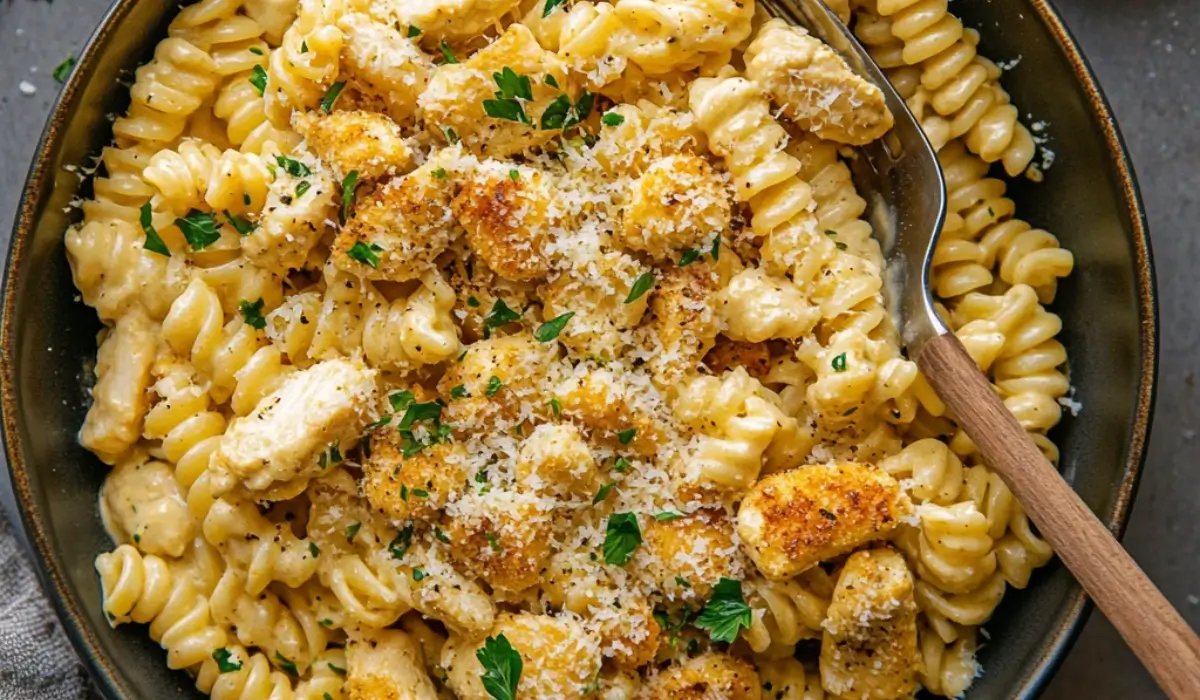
(382, 62)
(141, 502)
(791, 521)
(298, 209)
(415, 487)
(814, 87)
(396, 233)
(677, 204)
(288, 431)
(727, 354)
(452, 20)
(869, 650)
(609, 405)
(596, 294)
(511, 365)
(501, 537)
(503, 208)
(710, 675)
(685, 557)
(559, 658)
(368, 143)
(456, 94)
(683, 322)
(386, 665)
(114, 420)
(555, 460)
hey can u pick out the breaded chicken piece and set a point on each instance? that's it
(456, 94)
(683, 322)
(793, 520)
(501, 537)
(727, 354)
(609, 405)
(282, 439)
(705, 677)
(368, 143)
(685, 557)
(385, 665)
(293, 220)
(677, 204)
(381, 62)
(141, 502)
(814, 87)
(503, 208)
(114, 420)
(869, 650)
(403, 225)
(416, 487)
(558, 656)
(596, 295)
(516, 362)
(556, 460)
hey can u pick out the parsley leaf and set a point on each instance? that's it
(401, 542)
(550, 6)
(242, 226)
(62, 70)
(222, 656)
(550, 329)
(500, 315)
(287, 664)
(621, 537)
(418, 412)
(199, 228)
(551, 80)
(314, 550)
(352, 531)
(626, 436)
(367, 255)
(667, 516)
(349, 183)
(726, 613)
(603, 492)
(640, 286)
(413, 31)
(502, 667)
(418, 574)
(303, 187)
(512, 85)
(716, 248)
(332, 95)
(451, 136)
(514, 174)
(252, 313)
(622, 465)
(293, 167)
(839, 363)
(612, 119)
(154, 243)
(458, 392)
(447, 52)
(690, 256)
(257, 51)
(493, 386)
(401, 400)
(838, 244)
(258, 78)
(508, 109)
(556, 113)
(556, 407)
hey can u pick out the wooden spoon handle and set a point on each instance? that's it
(1154, 630)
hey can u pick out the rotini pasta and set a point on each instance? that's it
(452, 335)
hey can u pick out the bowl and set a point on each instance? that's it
(1089, 199)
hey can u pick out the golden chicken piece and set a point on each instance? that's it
(683, 323)
(383, 63)
(559, 658)
(556, 460)
(503, 208)
(613, 409)
(710, 675)
(679, 203)
(791, 521)
(727, 354)
(452, 20)
(415, 487)
(501, 537)
(685, 557)
(497, 379)
(814, 87)
(386, 665)
(396, 233)
(298, 211)
(368, 143)
(454, 100)
(869, 650)
(596, 294)
(478, 289)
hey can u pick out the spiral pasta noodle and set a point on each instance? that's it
(784, 613)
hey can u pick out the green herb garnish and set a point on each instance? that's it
(640, 286)
(252, 313)
(726, 613)
(199, 228)
(502, 667)
(154, 243)
(550, 329)
(365, 254)
(224, 664)
(622, 536)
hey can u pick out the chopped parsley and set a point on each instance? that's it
(252, 313)
(509, 109)
(304, 46)
(612, 119)
(439, 174)
(500, 315)
(420, 493)
(451, 136)
(352, 531)
(62, 70)
(622, 536)
(626, 436)
(716, 248)
(413, 31)
(418, 575)
(512, 86)
(293, 167)
(839, 363)
(833, 235)
(726, 613)
(502, 667)
(258, 78)
(551, 81)
(550, 7)
(225, 664)
(401, 400)
(242, 226)
(550, 329)
(682, 582)
(640, 286)
(256, 50)
(331, 96)
(314, 550)
(458, 392)
(154, 243)
(621, 466)
(325, 622)
(514, 175)
(472, 301)
(447, 52)
(349, 183)
(564, 114)
(401, 542)
(287, 664)
(493, 542)
(667, 516)
(690, 255)
(303, 187)
(556, 407)
(365, 254)
(493, 386)
(199, 228)
(603, 492)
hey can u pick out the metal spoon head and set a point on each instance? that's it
(898, 176)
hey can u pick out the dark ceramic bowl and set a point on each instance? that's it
(1089, 199)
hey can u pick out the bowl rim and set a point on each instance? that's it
(51, 570)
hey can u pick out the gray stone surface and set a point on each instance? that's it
(1145, 55)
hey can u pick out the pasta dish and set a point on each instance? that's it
(493, 349)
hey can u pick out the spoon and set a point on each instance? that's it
(894, 169)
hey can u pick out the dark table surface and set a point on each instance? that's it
(1145, 55)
